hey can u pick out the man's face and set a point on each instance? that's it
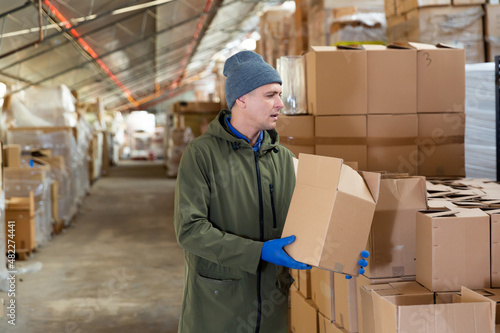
(263, 106)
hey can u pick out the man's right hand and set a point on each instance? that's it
(272, 251)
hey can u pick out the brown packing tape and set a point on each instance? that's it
(341, 141)
(345, 141)
(409, 141)
(442, 140)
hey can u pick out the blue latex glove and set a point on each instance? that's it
(362, 263)
(272, 251)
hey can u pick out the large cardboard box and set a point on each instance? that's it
(364, 285)
(336, 81)
(322, 292)
(441, 144)
(330, 213)
(12, 156)
(491, 295)
(392, 143)
(391, 243)
(327, 326)
(495, 246)
(392, 79)
(440, 78)
(346, 303)
(20, 212)
(453, 249)
(371, 323)
(297, 133)
(303, 314)
(342, 137)
(402, 312)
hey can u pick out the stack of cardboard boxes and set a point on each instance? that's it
(398, 108)
(429, 268)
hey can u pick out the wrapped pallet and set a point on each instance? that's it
(61, 142)
(458, 26)
(480, 142)
(358, 28)
(25, 181)
(42, 106)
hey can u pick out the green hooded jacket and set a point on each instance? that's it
(228, 201)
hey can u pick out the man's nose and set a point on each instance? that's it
(279, 103)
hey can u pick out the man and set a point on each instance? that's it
(234, 187)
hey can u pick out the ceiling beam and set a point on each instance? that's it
(110, 52)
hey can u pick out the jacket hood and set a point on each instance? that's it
(219, 129)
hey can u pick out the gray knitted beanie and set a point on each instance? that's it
(246, 71)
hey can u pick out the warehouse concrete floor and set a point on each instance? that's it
(116, 268)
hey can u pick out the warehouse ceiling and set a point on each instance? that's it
(130, 54)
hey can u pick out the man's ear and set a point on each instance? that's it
(241, 102)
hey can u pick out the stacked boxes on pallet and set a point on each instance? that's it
(45, 160)
(405, 119)
(459, 24)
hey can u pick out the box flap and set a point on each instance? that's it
(439, 213)
(422, 46)
(323, 48)
(377, 287)
(350, 47)
(400, 45)
(350, 177)
(491, 211)
(444, 46)
(469, 296)
(375, 47)
(372, 180)
(468, 204)
(409, 288)
(456, 317)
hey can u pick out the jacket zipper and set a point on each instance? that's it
(271, 189)
(261, 226)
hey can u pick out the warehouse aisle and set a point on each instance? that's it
(117, 268)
